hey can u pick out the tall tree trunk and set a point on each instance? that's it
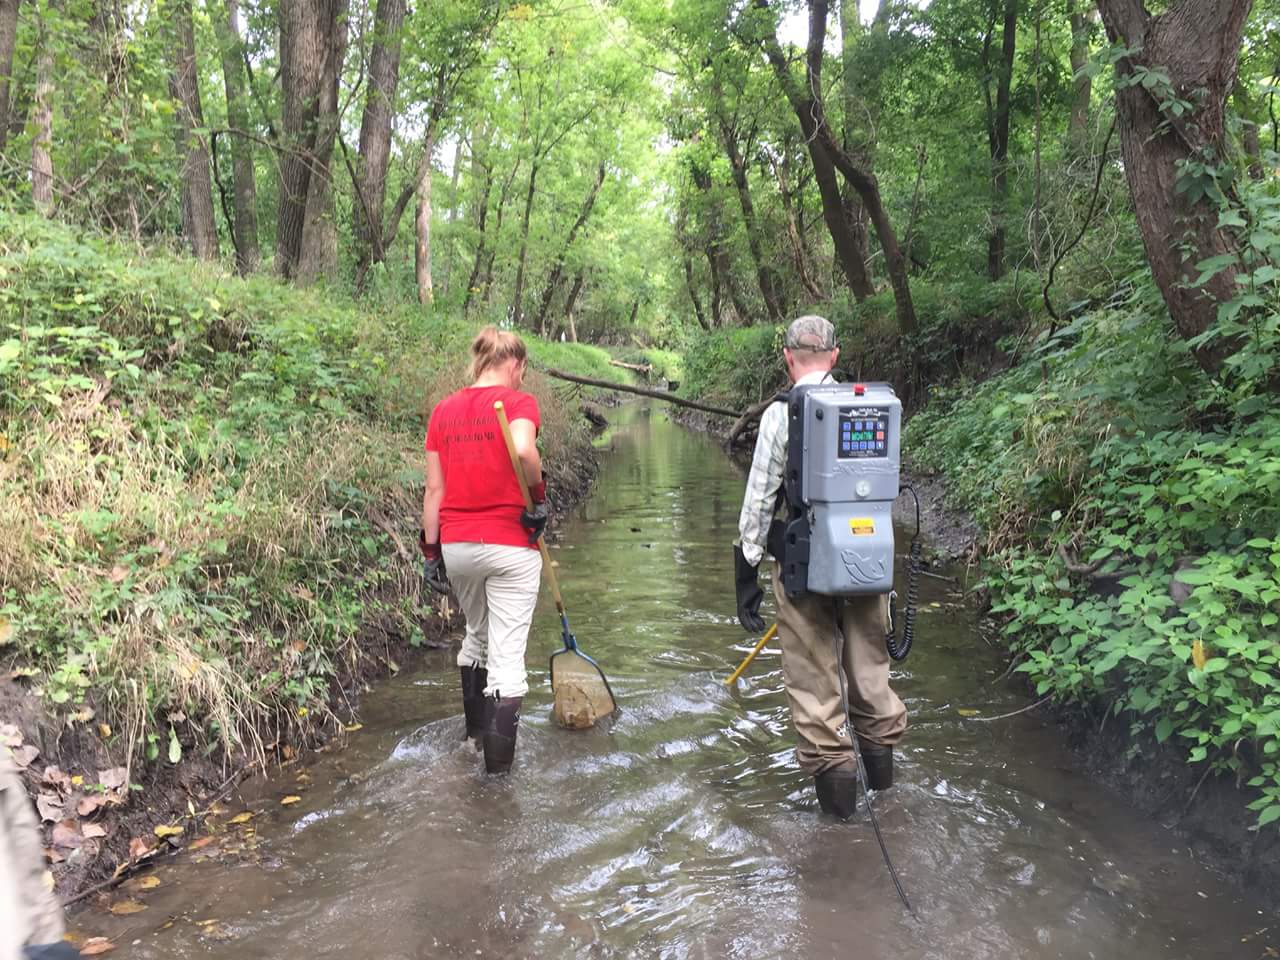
(766, 277)
(717, 252)
(8, 40)
(245, 234)
(375, 132)
(42, 142)
(717, 294)
(197, 187)
(319, 251)
(517, 296)
(1080, 14)
(686, 256)
(999, 142)
(798, 252)
(303, 47)
(452, 243)
(482, 215)
(859, 99)
(571, 304)
(557, 269)
(922, 157)
(504, 195)
(692, 289)
(1198, 46)
(809, 110)
(422, 224)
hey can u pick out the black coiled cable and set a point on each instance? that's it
(898, 650)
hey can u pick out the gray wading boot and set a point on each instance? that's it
(473, 684)
(503, 717)
(838, 790)
(879, 763)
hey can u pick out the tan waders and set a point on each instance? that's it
(809, 630)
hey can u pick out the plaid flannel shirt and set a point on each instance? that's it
(768, 465)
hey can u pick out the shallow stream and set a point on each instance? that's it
(687, 831)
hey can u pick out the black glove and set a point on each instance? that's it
(747, 587)
(534, 521)
(433, 571)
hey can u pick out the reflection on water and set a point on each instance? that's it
(685, 830)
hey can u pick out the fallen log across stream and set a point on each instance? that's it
(643, 392)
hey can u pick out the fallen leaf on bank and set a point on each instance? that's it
(92, 830)
(126, 907)
(139, 849)
(353, 727)
(1198, 655)
(167, 830)
(104, 730)
(49, 807)
(304, 777)
(96, 946)
(20, 673)
(55, 777)
(88, 805)
(53, 855)
(66, 833)
(6, 632)
(83, 715)
(214, 931)
(10, 736)
(24, 755)
(241, 817)
(967, 712)
(112, 779)
(289, 800)
(200, 844)
(149, 882)
(77, 781)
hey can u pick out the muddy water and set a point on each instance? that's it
(686, 830)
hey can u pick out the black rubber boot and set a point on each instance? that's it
(879, 763)
(838, 790)
(503, 714)
(473, 684)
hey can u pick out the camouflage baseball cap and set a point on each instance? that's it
(811, 332)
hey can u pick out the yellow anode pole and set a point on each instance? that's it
(769, 635)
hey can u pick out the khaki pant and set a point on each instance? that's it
(809, 630)
(497, 588)
(29, 912)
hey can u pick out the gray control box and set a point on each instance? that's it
(843, 464)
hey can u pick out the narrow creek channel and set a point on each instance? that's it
(686, 831)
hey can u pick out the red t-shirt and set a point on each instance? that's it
(482, 501)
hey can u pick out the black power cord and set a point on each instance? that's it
(898, 649)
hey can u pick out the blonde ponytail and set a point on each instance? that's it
(492, 347)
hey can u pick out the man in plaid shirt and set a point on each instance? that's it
(820, 635)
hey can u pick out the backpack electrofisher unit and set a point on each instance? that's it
(842, 477)
(841, 480)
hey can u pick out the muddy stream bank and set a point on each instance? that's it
(686, 830)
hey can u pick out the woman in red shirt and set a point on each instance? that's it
(474, 523)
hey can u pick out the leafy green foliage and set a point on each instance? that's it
(1133, 506)
(193, 476)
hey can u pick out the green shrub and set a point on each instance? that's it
(1133, 506)
(197, 476)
